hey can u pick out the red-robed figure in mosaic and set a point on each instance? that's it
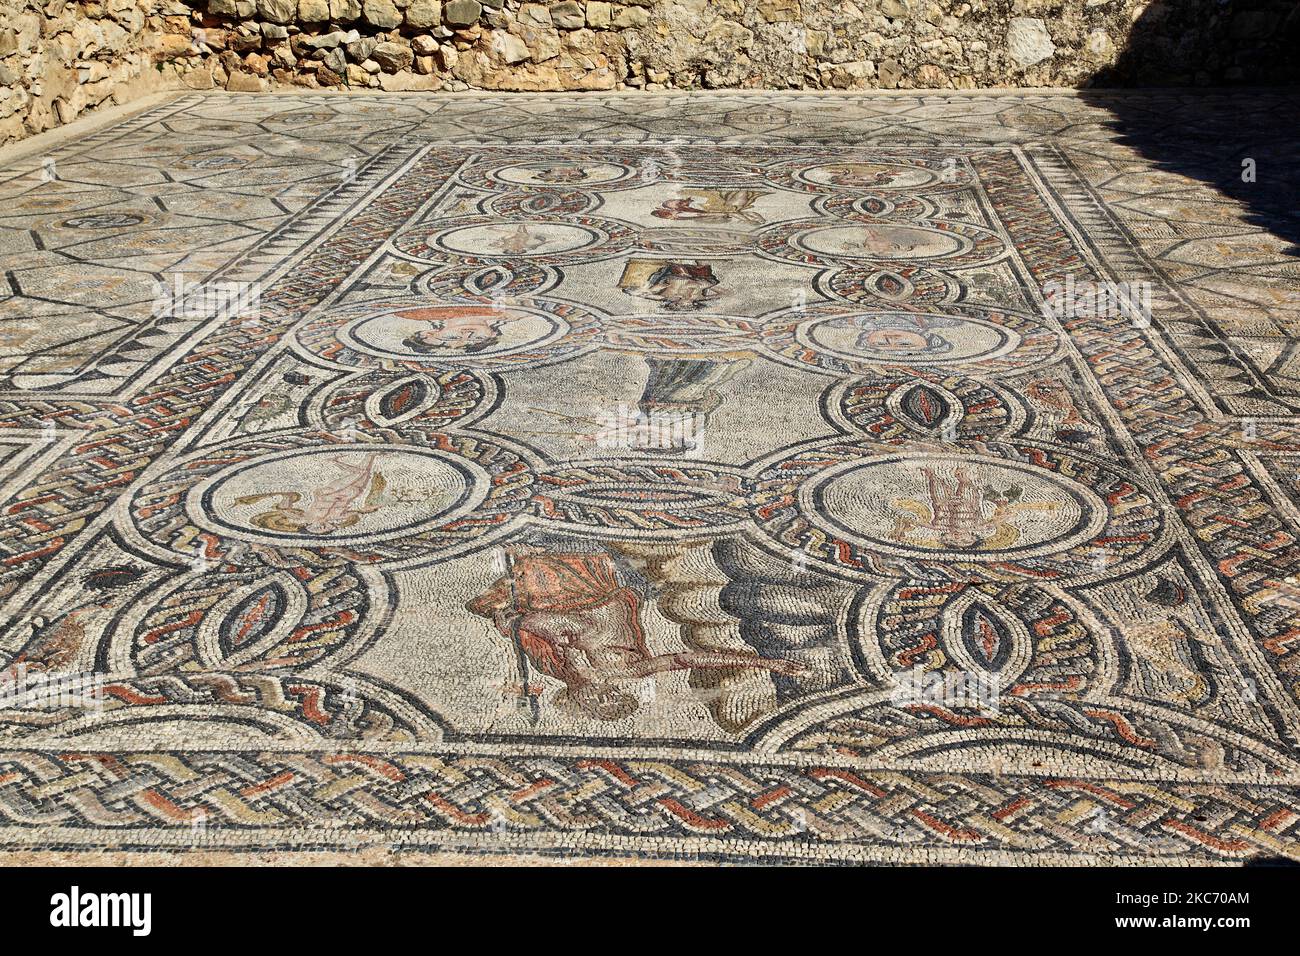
(574, 620)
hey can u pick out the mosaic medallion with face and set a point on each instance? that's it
(560, 172)
(451, 332)
(908, 338)
(898, 173)
(544, 171)
(843, 340)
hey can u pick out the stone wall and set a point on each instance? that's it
(762, 44)
(59, 58)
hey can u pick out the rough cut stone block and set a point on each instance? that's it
(245, 83)
(406, 82)
(631, 17)
(535, 14)
(542, 43)
(780, 11)
(382, 13)
(424, 13)
(277, 11)
(337, 61)
(461, 13)
(568, 15)
(198, 80)
(326, 41)
(359, 50)
(509, 47)
(1028, 41)
(392, 57)
(313, 11)
(891, 71)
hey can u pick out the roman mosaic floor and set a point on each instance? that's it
(734, 477)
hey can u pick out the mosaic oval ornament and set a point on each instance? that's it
(844, 339)
(1037, 512)
(427, 334)
(325, 501)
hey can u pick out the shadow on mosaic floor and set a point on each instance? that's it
(1239, 143)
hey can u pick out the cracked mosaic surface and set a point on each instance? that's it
(654, 477)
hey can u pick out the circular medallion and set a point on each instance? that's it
(1038, 512)
(881, 171)
(841, 339)
(880, 241)
(546, 171)
(906, 338)
(560, 173)
(103, 220)
(338, 494)
(956, 505)
(858, 176)
(420, 333)
(452, 332)
(484, 240)
(863, 241)
(518, 240)
(308, 498)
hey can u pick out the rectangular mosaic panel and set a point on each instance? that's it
(754, 502)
